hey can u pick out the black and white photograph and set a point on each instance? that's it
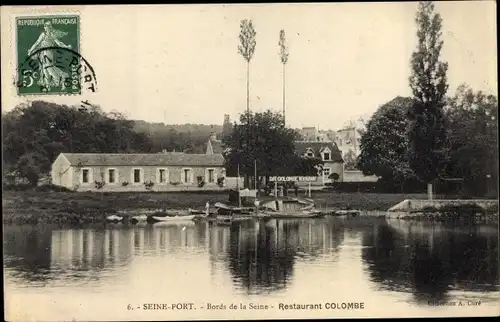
(250, 161)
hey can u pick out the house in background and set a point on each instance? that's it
(214, 146)
(326, 151)
(347, 139)
(138, 172)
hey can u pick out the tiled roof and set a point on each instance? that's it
(158, 159)
(318, 147)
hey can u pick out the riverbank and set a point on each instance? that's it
(91, 207)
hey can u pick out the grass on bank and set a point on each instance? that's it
(85, 207)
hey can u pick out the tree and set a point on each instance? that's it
(271, 144)
(350, 162)
(284, 59)
(334, 176)
(36, 133)
(473, 140)
(227, 127)
(31, 166)
(384, 145)
(429, 85)
(247, 49)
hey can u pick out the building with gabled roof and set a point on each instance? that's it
(138, 171)
(328, 152)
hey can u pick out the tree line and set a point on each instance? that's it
(469, 154)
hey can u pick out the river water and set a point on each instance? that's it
(119, 272)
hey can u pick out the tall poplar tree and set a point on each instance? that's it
(284, 59)
(429, 85)
(247, 48)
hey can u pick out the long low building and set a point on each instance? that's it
(138, 172)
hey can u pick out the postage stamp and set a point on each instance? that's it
(48, 55)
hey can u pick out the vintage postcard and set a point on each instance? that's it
(250, 161)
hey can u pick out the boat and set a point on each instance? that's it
(301, 214)
(223, 209)
(196, 212)
(182, 224)
(139, 218)
(289, 207)
(175, 218)
(352, 213)
(114, 218)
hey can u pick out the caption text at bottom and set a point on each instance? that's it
(248, 306)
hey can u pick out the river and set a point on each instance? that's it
(250, 269)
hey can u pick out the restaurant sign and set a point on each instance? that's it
(293, 178)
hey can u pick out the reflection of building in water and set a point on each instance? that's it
(168, 238)
(262, 255)
(218, 241)
(431, 260)
(90, 248)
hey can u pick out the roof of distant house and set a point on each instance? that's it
(215, 146)
(318, 147)
(144, 159)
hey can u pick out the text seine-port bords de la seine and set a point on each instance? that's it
(255, 306)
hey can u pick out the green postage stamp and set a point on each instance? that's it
(48, 55)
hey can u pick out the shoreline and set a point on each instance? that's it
(48, 207)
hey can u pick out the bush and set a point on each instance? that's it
(99, 184)
(42, 188)
(379, 186)
(149, 185)
(52, 187)
(334, 176)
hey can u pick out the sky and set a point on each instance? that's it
(179, 63)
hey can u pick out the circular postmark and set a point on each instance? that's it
(55, 70)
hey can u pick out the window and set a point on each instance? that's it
(309, 153)
(111, 176)
(326, 173)
(326, 156)
(136, 178)
(211, 177)
(162, 176)
(186, 175)
(85, 176)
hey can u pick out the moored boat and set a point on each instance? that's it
(302, 214)
(182, 224)
(174, 218)
(223, 209)
(139, 218)
(286, 207)
(114, 218)
(352, 213)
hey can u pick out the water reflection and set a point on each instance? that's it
(258, 257)
(430, 260)
(262, 254)
(28, 250)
